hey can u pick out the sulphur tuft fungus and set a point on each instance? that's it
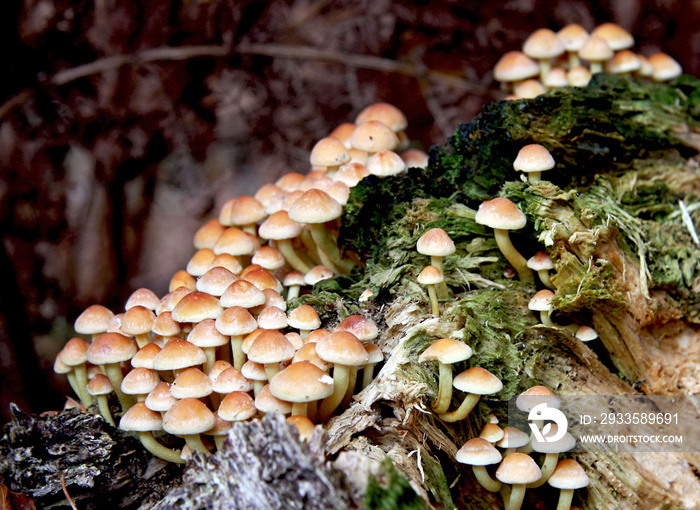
(144, 422)
(431, 277)
(533, 159)
(446, 352)
(437, 244)
(541, 302)
(479, 453)
(475, 381)
(518, 470)
(542, 263)
(188, 418)
(567, 477)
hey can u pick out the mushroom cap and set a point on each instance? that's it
(242, 293)
(301, 382)
(307, 352)
(269, 258)
(543, 44)
(99, 385)
(579, 76)
(374, 352)
(191, 382)
(342, 348)
(265, 193)
(541, 301)
(478, 381)
(385, 163)
(236, 321)
(513, 438)
(572, 36)
(315, 206)
(317, 274)
(351, 174)
(664, 67)
(586, 333)
(272, 317)
(304, 317)
(478, 452)
(263, 279)
(274, 298)
(373, 136)
(624, 61)
(140, 381)
(205, 334)
(435, 243)
(138, 320)
(254, 371)
(74, 352)
(215, 281)
(617, 37)
(145, 355)
(182, 278)
(316, 335)
(533, 158)
(492, 432)
(197, 306)
(568, 475)
(94, 320)
(540, 261)
(178, 354)
(278, 226)
(293, 278)
(430, 275)
(165, 325)
(172, 298)
(207, 235)
(266, 402)
(343, 133)
(234, 242)
(518, 468)
(596, 49)
(160, 399)
(140, 418)
(227, 261)
(271, 347)
(143, 297)
(237, 406)
(515, 66)
(556, 77)
(364, 329)
(230, 380)
(528, 89)
(219, 366)
(537, 395)
(446, 351)
(111, 348)
(188, 416)
(415, 158)
(500, 213)
(246, 210)
(564, 444)
(329, 151)
(304, 426)
(385, 113)
(290, 181)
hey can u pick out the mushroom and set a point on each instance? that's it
(503, 215)
(99, 387)
(385, 164)
(375, 356)
(492, 432)
(475, 381)
(431, 277)
(512, 439)
(207, 235)
(437, 244)
(236, 322)
(177, 355)
(541, 263)
(597, 51)
(188, 418)
(271, 348)
(543, 45)
(191, 383)
(567, 477)
(144, 422)
(139, 382)
(664, 67)
(108, 350)
(329, 153)
(74, 355)
(303, 425)
(93, 321)
(373, 136)
(446, 352)
(533, 159)
(207, 337)
(572, 37)
(617, 37)
(514, 67)
(551, 449)
(301, 383)
(479, 453)
(517, 469)
(305, 319)
(541, 302)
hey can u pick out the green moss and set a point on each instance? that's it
(393, 492)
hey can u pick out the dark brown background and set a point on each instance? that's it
(109, 163)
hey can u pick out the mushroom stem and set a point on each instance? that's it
(352, 380)
(574, 61)
(545, 318)
(340, 386)
(534, 177)
(81, 380)
(271, 370)
(239, 357)
(74, 384)
(210, 353)
(517, 495)
(444, 389)
(550, 462)
(432, 293)
(544, 278)
(299, 409)
(368, 374)
(194, 441)
(566, 496)
(328, 250)
(442, 292)
(158, 450)
(513, 256)
(463, 410)
(103, 406)
(258, 386)
(596, 67)
(291, 256)
(114, 373)
(485, 479)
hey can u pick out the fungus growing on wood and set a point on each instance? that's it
(188, 418)
(373, 136)
(437, 244)
(74, 355)
(109, 350)
(518, 470)
(479, 453)
(144, 422)
(431, 277)
(100, 387)
(543, 45)
(597, 51)
(329, 153)
(664, 67)
(503, 215)
(271, 348)
(514, 67)
(375, 355)
(551, 449)
(301, 383)
(305, 319)
(572, 37)
(446, 352)
(385, 163)
(513, 438)
(236, 322)
(617, 37)
(567, 477)
(93, 321)
(139, 382)
(542, 263)
(138, 322)
(475, 381)
(541, 302)
(533, 159)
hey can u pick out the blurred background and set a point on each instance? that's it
(125, 125)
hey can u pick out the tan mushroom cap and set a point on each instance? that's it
(197, 306)
(664, 67)
(415, 158)
(236, 321)
(139, 381)
(254, 371)
(111, 348)
(301, 382)
(138, 320)
(270, 347)
(237, 406)
(142, 297)
(374, 353)
(246, 210)
(230, 380)
(343, 133)
(515, 66)
(272, 317)
(492, 433)
(94, 320)
(385, 163)
(596, 49)
(145, 355)
(234, 242)
(579, 76)
(315, 206)
(513, 438)
(478, 452)
(290, 181)
(172, 298)
(586, 333)
(385, 113)
(436, 243)
(543, 44)
(99, 385)
(564, 444)
(541, 301)
(518, 468)
(537, 395)
(568, 475)
(373, 136)
(478, 381)
(205, 334)
(303, 425)
(572, 36)
(533, 158)
(430, 275)
(188, 416)
(274, 298)
(182, 278)
(316, 335)
(500, 213)
(447, 351)
(351, 174)
(207, 235)
(342, 348)
(556, 77)
(617, 37)
(140, 418)
(317, 274)
(263, 279)
(364, 329)
(178, 354)
(266, 402)
(528, 89)
(242, 293)
(269, 258)
(191, 382)
(339, 191)
(304, 317)
(227, 261)
(215, 281)
(307, 352)
(160, 399)
(74, 352)
(624, 61)
(164, 325)
(329, 151)
(540, 261)
(294, 278)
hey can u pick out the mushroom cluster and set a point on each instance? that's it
(556, 59)
(222, 345)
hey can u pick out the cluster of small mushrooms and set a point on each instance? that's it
(516, 470)
(551, 59)
(222, 346)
